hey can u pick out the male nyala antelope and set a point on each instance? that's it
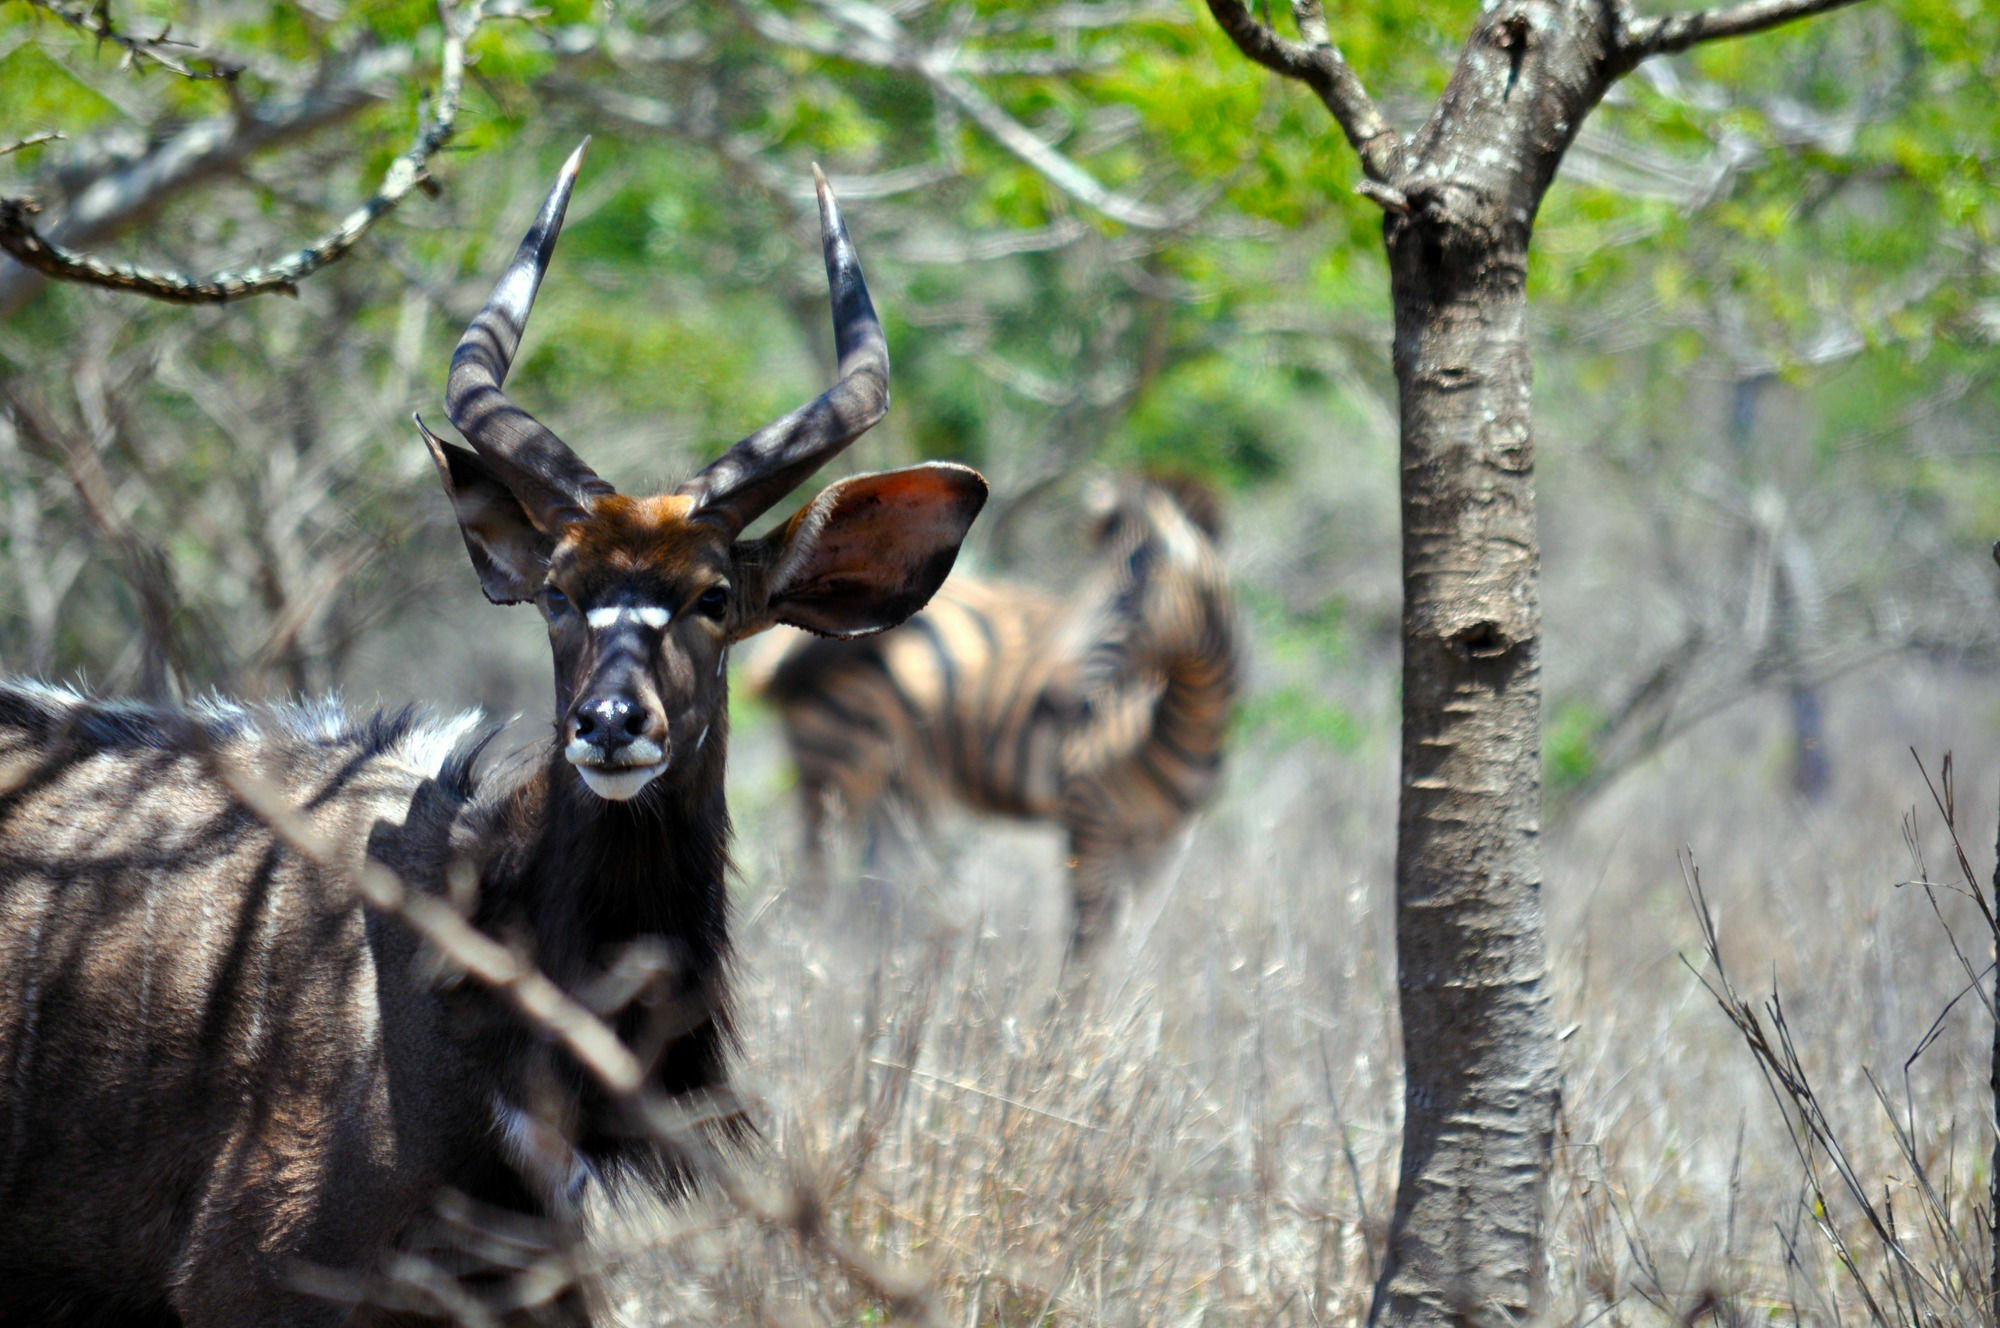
(1102, 710)
(226, 1084)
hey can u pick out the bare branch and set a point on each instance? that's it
(947, 250)
(873, 36)
(1310, 15)
(19, 237)
(118, 194)
(1052, 165)
(1667, 34)
(139, 51)
(142, 563)
(32, 140)
(1318, 64)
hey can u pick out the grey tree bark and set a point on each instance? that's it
(1482, 1079)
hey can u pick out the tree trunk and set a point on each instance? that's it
(1482, 1083)
(1479, 1049)
(1478, 1035)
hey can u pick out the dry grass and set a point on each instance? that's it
(1161, 1145)
(1205, 1132)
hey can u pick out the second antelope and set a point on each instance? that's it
(231, 1092)
(1102, 711)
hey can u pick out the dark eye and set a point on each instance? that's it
(714, 602)
(557, 602)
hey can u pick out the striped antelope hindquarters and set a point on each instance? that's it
(234, 1087)
(1103, 711)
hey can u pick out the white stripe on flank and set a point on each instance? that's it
(646, 615)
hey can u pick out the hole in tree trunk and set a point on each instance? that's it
(1481, 640)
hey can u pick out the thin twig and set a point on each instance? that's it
(32, 140)
(1811, 1131)
(1367, 1226)
(1992, 1121)
(1667, 34)
(534, 997)
(964, 1086)
(139, 51)
(126, 187)
(870, 35)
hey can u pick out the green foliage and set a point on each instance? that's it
(38, 94)
(949, 423)
(1569, 745)
(1300, 651)
(1211, 418)
(1291, 713)
(1846, 179)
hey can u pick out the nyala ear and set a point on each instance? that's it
(870, 550)
(507, 551)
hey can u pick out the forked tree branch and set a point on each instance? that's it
(115, 195)
(1667, 34)
(1318, 63)
(19, 237)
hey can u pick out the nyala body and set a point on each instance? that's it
(233, 1092)
(1103, 710)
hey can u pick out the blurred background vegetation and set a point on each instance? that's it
(1766, 302)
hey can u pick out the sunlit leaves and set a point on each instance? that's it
(1832, 180)
(38, 94)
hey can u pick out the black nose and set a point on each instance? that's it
(608, 721)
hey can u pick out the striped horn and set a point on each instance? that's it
(552, 483)
(750, 477)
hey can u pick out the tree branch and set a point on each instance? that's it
(32, 140)
(872, 36)
(1667, 34)
(1318, 64)
(119, 194)
(1051, 164)
(19, 237)
(139, 51)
